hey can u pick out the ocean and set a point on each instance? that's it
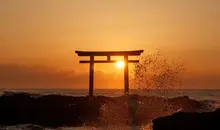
(204, 95)
(197, 94)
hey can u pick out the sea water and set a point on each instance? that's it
(197, 94)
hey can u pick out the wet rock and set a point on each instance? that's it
(58, 110)
(189, 121)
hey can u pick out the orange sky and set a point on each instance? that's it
(46, 32)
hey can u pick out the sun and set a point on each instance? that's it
(120, 64)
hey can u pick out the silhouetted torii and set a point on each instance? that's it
(92, 54)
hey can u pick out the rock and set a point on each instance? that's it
(185, 103)
(59, 110)
(189, 121)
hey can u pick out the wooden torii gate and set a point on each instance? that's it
(92, 54)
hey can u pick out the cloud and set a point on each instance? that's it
(18, 76)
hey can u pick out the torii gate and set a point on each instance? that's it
(92, 54)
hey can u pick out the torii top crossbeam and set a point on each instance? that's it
(92, 54)
(109, 53)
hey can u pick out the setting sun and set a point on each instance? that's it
(120, 64)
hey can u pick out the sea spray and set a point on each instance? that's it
(115, 113)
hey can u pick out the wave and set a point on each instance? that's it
(209, 105)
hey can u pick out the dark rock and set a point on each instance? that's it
(189, 121)
(185, 103)
(58, 110)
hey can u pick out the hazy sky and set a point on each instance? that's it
(46, 32)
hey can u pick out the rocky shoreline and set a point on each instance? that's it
(58, 110)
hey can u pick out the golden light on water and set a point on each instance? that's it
(120, 64)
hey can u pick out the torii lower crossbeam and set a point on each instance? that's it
(92, 54)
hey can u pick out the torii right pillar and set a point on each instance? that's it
(126, 75)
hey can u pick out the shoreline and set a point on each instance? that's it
(58, 110)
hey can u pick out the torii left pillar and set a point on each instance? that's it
(91, 75)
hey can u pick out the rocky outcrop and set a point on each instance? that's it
(57, 110)
(189, 121)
